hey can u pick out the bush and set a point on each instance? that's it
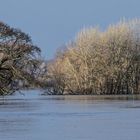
(100, 62)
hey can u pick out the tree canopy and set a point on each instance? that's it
(18, 59)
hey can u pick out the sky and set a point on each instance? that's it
(53, 23)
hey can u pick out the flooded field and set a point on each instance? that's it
(35, 117)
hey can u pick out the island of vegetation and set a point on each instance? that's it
(95, 63)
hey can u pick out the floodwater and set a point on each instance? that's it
(36, 117)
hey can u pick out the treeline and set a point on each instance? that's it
(19, 60)
(98, 62)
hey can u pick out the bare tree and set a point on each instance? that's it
(18, 59)
(101, 62)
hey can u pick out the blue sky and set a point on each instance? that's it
(52, 23)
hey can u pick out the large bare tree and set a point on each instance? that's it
(18, 59)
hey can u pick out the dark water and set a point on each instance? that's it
(34, 117)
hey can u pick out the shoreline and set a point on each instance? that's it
(94, 97)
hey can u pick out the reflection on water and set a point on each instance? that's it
(35, 117)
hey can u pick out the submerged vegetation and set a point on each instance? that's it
(99, 62)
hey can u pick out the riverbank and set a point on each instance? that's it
(35, 93)
(95, 97)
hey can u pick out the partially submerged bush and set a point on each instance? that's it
(100, 62)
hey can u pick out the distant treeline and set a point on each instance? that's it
(98, 62)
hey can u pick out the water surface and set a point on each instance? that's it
(36, 117)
